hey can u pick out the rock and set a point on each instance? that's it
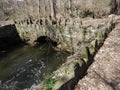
(85, 54)
(2, 15)
(104, 73)
(64, 74)
(93, 47)
(67, 76)
(100, 37)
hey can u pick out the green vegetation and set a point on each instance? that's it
(49, 83)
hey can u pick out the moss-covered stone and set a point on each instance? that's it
(65, 74)
(85, 54)
(93, 47)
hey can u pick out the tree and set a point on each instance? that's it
(52, 5)
(69, 2)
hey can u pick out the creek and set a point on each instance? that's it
(25, 67)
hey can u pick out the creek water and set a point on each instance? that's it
(25, 67)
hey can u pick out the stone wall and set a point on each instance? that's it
(76, 65)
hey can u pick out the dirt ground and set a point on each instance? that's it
(104, 73)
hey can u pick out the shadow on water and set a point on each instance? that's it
(9, 39)
(25, 67)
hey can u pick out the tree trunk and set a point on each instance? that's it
(52, 5)
(69, 2)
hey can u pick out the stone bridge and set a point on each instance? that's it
(66, 33)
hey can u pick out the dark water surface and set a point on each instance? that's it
(25, 67)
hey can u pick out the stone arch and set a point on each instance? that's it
(31, 33)
(45, 39)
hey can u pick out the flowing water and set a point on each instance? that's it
(25, 67)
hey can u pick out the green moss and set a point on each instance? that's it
(49, 84)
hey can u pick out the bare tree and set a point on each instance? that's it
(69, 3)
(52, 5)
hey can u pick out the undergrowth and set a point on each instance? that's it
(49, 84)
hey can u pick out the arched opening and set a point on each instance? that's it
(9, 39)
(46, 40)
